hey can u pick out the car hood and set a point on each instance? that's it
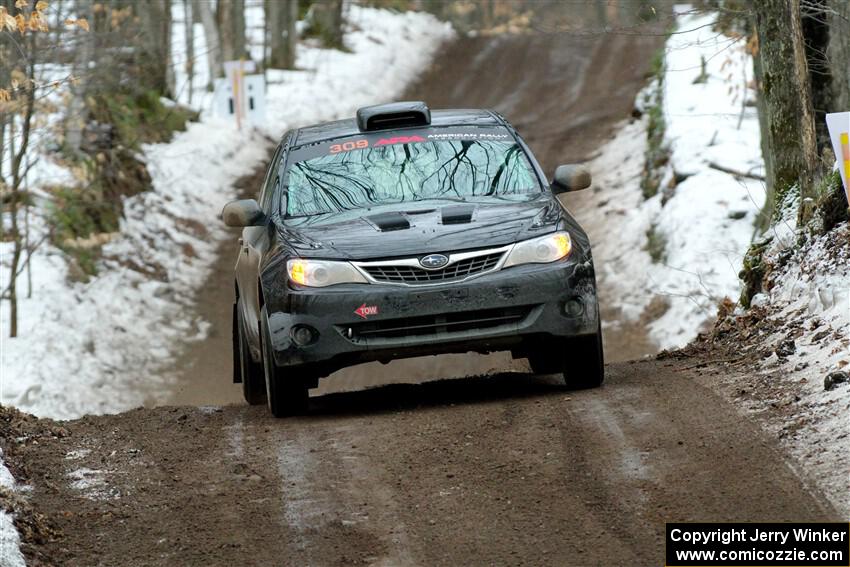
(421, 228)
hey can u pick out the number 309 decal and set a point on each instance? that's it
(348, 146)
(361, 144)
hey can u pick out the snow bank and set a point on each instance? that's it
(806, 328)
(701, 222)
(10, 541)
(101, 347)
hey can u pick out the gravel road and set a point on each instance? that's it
(502, 470)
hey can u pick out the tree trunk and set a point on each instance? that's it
(327, 21)
(5, 79)
(227, 30)
(212, 40)
(766, 215)
(273, 9)
(170, 81)
(838, 54)
(281, 16)
(292, 33)
(76, 119)
(18, 170)
(816, 34)
(157, 73)
(787, 98)
(2, 154)
(238, 22)
(189, 20)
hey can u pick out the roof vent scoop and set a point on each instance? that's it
(393, 115)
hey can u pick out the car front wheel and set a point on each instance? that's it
(587, 369)
(253, 380)
(580, 359)
(287, 393)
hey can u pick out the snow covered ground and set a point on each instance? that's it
(98, 347)
(801, 328)
(10, 554)
(701, 221)
(706, 222)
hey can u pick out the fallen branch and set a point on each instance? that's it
(735, 172)
(713, 361)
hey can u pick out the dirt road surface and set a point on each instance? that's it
(507, 469)
(502, 470)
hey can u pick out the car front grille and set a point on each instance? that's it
(445, 325)
(413, 275)
(408, 271)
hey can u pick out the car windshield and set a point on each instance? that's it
(407, 172)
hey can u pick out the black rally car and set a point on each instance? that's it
(408, 232)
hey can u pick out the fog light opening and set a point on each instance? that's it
(574, 307)
(303, 335)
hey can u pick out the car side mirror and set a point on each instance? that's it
(244, 212)
(570, 177)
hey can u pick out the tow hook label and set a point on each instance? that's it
(364, 311)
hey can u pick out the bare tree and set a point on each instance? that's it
(231, 28)
(238, 22)
(189, 22)
(292, 31)
(25, 56)
(156, 45)
(214, 54)
(327, 22)
(281, 17)
(75, 119)
(838, 52)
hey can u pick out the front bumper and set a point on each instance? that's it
(502, 310)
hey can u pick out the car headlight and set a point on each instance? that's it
(540, 250)
(321, 273)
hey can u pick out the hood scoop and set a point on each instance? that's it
(386, 222)
(457, 214)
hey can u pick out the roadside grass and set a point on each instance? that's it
(657, 152)
(82, 217)
(78, 216)
(139, 117)
(830, 209)
(753, 271)
(830, 204)
(656, 244)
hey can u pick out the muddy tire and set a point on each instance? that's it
(580, 359)
(287, 394)
(587, 367)
(237, 360)
(250, 372)
(548, 359)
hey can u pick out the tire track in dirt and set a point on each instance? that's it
(507, 469)
(354, 498)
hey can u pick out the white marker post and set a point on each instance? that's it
(240, 95)
(839, 133)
